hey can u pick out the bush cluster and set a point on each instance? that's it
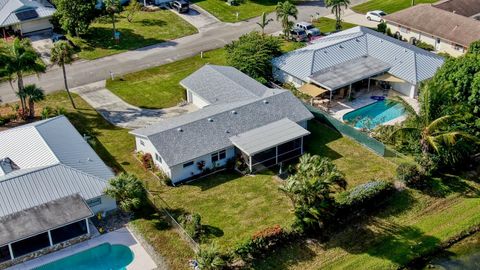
(410, 174)
(362, 195)
(4, 120)
(147, 161)
(192, 223)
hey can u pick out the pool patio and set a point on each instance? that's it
(142, 260)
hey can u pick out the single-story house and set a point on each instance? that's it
(51, 182)
(238, 116)
(355, 55)
(446, 31)
(25, 16)
(467, 8)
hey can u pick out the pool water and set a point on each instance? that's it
(102, 257)
(374, 114)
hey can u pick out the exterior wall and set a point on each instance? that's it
(444, 45)
(192, 97)
(147, 147)
(108, 204)
(179, 173)
(406, 89)
(284, 77)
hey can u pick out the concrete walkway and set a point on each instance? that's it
(199, 18)
(122, 114)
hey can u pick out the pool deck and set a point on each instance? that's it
(123, 236)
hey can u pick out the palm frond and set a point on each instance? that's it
(407, 107)
(438, 123)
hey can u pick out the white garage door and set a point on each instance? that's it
(36, 25)
(196, 100)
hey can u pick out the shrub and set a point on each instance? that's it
(361, 195)
(4, 120)
(209, 258)
(192, 223)
(164, 178)
(147, 161)
(425, 46)
(128, 190)
(410, 174)
(382, 27)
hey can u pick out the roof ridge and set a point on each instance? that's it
(211, 66)
(84, 173)
(27, 172)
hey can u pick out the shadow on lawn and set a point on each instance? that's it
(214, 180)
(447, 184)
(316, 142)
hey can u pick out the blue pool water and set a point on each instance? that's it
(102, 257)
(374, 114)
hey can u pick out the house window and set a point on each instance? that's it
(188, 164)
(142, 143)
(219, 156)
(458, 47)
(94, 202)
(158, 158)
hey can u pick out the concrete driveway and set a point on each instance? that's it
(122, 114)
(198, 17)
(351, 16)
(42, 43)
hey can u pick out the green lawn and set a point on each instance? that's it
(246, 9)
(413, 223)
(146, 29)
(389, 6)
(232, 206)
(327, 25)
(358, 163)
(159, 87)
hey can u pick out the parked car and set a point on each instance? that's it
(376, 15)
(181, 6)
(311, 30)
(298, 34)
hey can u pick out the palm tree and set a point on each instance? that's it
(17, 59)
(32, 94)
(336, 6)
(128, 190)
(112, 7)
(62, 54)
(284, 11)
(311, 187)
(264, 22)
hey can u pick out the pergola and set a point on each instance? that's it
(43, 226)
(271, 144)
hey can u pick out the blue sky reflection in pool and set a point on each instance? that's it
(374, 114)
(102, 257)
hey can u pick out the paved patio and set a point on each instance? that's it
(141, 261)
(122, 114)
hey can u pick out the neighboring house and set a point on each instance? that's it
(446, 31)
(467, 8)
(238, 117)
(51, 182)
(353, 57)
(25, 16)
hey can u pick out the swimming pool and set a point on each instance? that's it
(374, 114)
(101, 257)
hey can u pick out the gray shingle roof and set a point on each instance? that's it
(265, 137)
(223, 84)
(199, 136)
(42, 218)
(407, 62)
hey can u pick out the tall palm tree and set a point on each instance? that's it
(62, 54)
(112, 7)
(284, 11)
(264, 22)
(15, 60)
(336, 6)
(32, 94)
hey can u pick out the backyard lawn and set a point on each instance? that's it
(327, 25)
(389, 6)
(147, 28)
(159, 87)
(413, 223)
(246, 9)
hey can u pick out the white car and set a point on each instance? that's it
(376, 15)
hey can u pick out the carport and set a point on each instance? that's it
(43, 226)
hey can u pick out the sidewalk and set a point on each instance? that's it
(122, 114)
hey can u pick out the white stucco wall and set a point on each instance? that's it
(192, 97)
(148, 147)
(406, 89)
(107, 204)
(284, 77)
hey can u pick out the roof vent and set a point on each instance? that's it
(234, 112)
(210, 119)
(357, 40)
(341, 46)
(265, 101)
(325, 51)
(227, 131)
(179, 129)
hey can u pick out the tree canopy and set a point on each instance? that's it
(75, 16)
(128, 190)
(252, 54)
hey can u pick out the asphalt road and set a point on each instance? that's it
(84, 72)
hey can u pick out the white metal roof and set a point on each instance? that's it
(9, 7)
(268, 136)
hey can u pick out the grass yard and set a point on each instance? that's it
(233, 207)
(412, 224)
(147, 28)
(246, 9)
(389, 6)
(159, 87)
(327, 25)
(358, 163)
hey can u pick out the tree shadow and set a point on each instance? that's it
(212, 231)
(214, 180)
(286, 257)
(320, 136)
(447, 184)
(150, 22)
